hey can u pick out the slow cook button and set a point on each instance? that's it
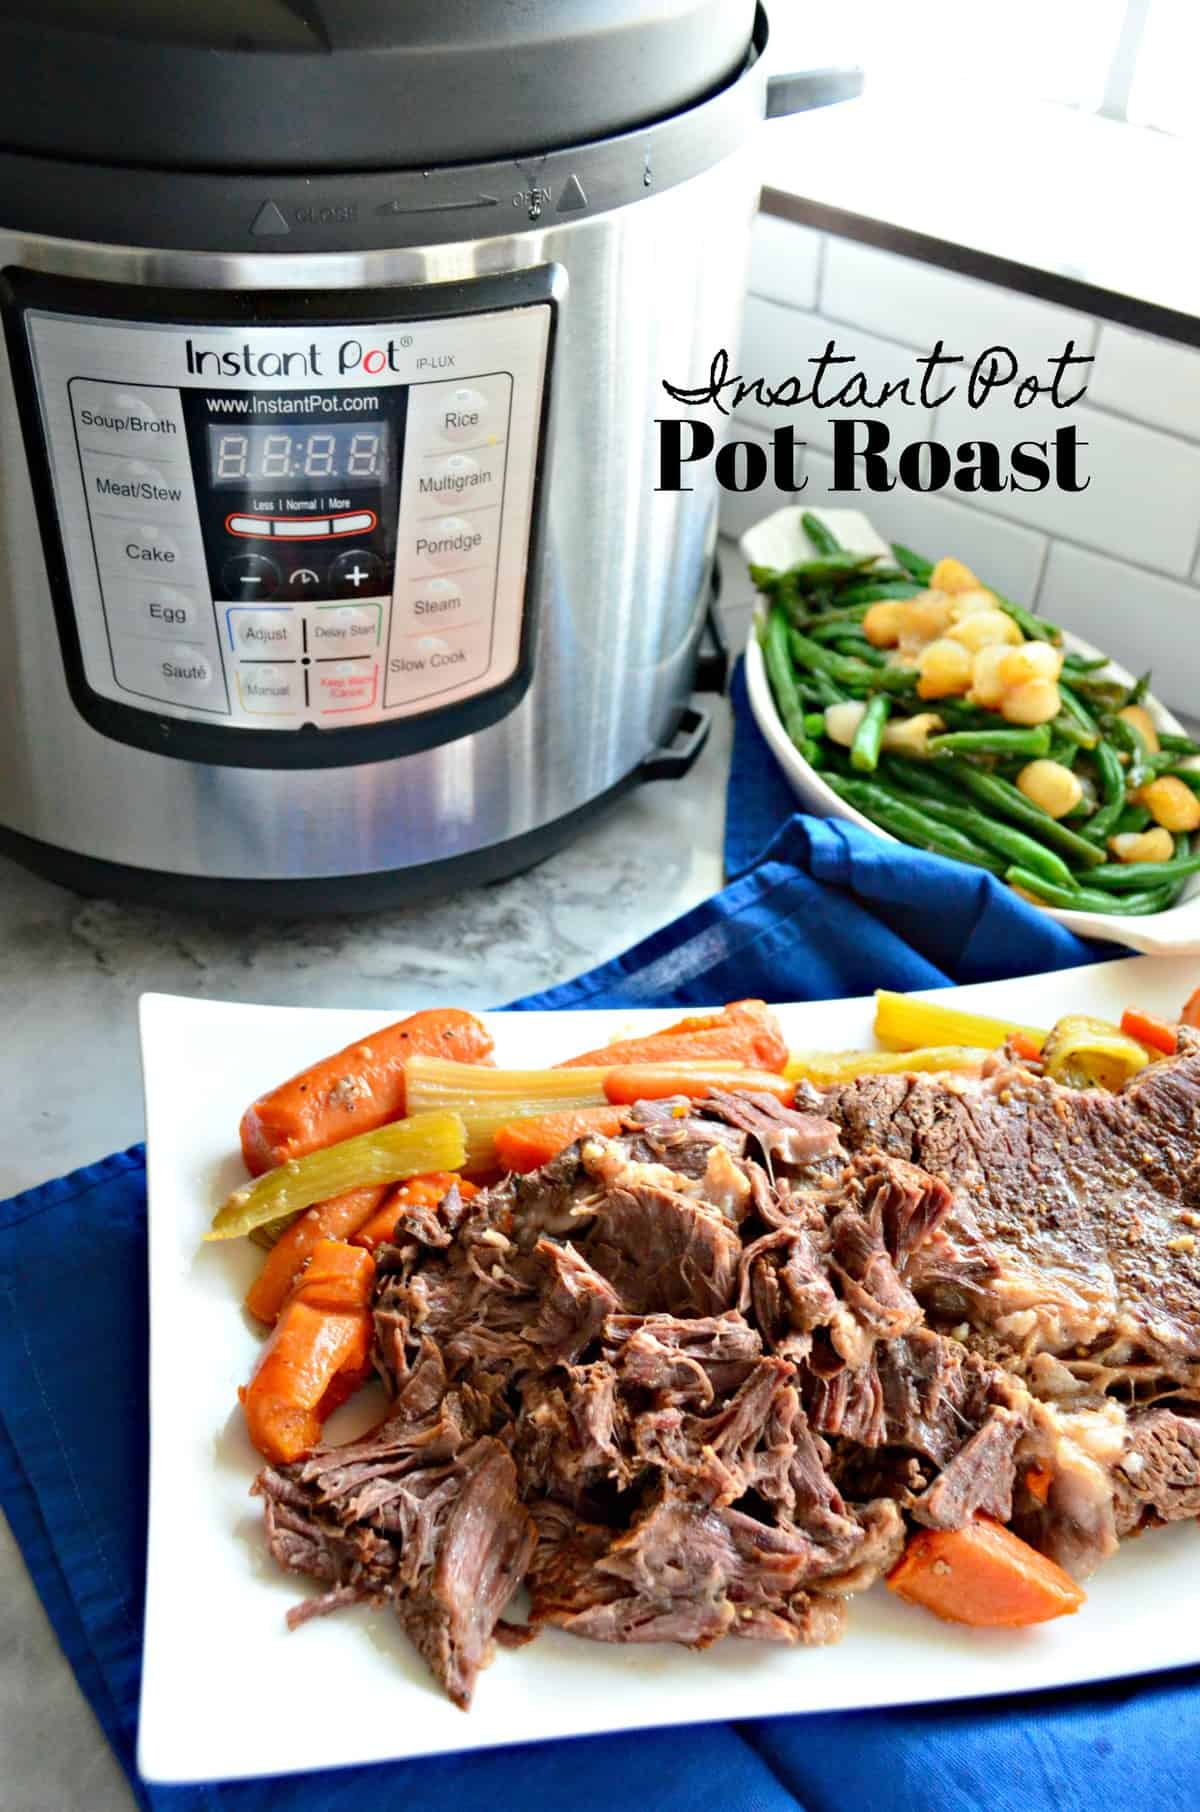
(342, 686)
(452, 541)
(268, 691)
(422, 665)
(127, 487)
(344, 629)
(262, 633)
(178, 674)
(134, 547)
(161, 611)
(116, 418)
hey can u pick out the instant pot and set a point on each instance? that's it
(331, 561)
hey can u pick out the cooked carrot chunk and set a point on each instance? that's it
(355, 1090)
(426, 1191)
(523, 1145)
(984, 1575)
(743, 1032)
(338, 1218)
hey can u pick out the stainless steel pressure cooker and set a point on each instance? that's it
(331, 560)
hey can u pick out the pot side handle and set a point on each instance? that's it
(811, 88)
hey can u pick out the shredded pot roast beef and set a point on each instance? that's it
(698, 1380)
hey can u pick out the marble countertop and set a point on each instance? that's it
(71, 971)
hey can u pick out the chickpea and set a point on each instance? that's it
(970, 603)
(1155, 845)
(985, 627)
(1141, 720)
(1052, 786)
(884, 623)
(1034, 702)
(1032, 660)
(1171, 803)
(910, 735)
(952, 576)
(926, 616)
(945, 669)
(842, 721)
(987, 688)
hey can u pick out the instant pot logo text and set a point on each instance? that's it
(870, 454)
(373, 358)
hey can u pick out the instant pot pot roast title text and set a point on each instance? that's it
(865, 456)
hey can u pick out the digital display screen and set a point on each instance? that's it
(342, 453)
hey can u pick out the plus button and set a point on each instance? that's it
(356, 571)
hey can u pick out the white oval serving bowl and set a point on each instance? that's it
(1175, 932)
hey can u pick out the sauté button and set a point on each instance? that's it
(250, 576)
(357, 573)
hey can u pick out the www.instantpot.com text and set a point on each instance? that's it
(866, 454)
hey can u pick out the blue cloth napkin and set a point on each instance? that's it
(823, 910)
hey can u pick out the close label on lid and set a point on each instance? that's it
(279, 526)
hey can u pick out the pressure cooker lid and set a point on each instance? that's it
(350, 84)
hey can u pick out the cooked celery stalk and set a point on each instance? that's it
(902, 1022)
(1082, 1052)
(824, 1067)
(407, 1148)
(485, 1099)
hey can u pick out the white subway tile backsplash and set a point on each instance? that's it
(784, 259)
(1150, 379)
(1142, 620)
(920, 304)
(778, 342)
(1143, 501)
(739, 509)
(1002, 554)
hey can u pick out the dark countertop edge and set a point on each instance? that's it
(969, 261)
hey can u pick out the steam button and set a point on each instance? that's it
(250, 576)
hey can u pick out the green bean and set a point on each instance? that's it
(1074, 710)
(1189, 776)
(992, 742)
(822, 538)
(1064, 749)
(1129, 877)
(1104, 695)
(910, 825)
(1139, 689)
(820, 687)
(1073, 733)
(861, 650)
(961, 716)
(782, 679)
(1079, 663)
(848, 617)
(1034, 629)
(1129, 737)
(846, 669)
(826, 628)
(814, 723)
(1006, 839)
(921, 778)
(1011, 803)
(1111, 776)
(1093, 899)
(878, 590)
(1178, 745)
(1134, 818)
(864, 750)
(916, 564)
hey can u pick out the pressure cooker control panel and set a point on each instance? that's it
(289, 527)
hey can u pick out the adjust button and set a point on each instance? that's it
(358, 573)
(262, 634)
(250, 576)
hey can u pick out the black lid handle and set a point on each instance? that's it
(810, 88)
